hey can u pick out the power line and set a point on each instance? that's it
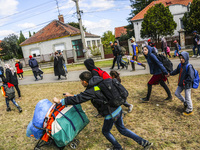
(27, 9)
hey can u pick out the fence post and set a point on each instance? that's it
(65, 56)
(102, 51)
(74, 54)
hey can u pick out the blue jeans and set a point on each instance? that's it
(119, 62)
(176, 51)
(13, 100)
(118, 121)
(198, 49)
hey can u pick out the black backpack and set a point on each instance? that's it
(115, 92)
(20, 66)
(166, 62)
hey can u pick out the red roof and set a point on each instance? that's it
(140, 15)
(54, 30)
(119, 31)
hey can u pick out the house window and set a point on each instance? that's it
(93, 43)
(35, 52)
(88, 44)
(98, 42)
(181, 23)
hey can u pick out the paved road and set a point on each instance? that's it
(74, 75)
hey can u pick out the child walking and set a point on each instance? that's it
(113, 118)
(168, 51)
(9, 94)
(186, 76)
(115, 74)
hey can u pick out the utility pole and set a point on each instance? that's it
(81, 28)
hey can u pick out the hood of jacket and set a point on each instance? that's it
(95, 80)
(186, 57)
(89, 64)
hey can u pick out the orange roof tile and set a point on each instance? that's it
(140, 15)
(119, 31)
(54, 30)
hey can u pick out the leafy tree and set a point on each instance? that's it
(76, 25)
(33, 33)
(106, 39)
(157, 22)
(21, 37)
(191, 20)
(29, 34)
(10, 47)
(137, 6)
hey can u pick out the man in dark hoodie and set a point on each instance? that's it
(89, 64)
(94, 94)
(186, 76)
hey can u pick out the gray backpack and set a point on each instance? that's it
(10, 92)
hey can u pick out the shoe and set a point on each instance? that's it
(148, 146)
(144, 67)
(168, 98)
(59, 78)
(198, 56)
(20, 109)
(111, 68)
(41, 77)
(132, 70)
(36, 79)
(188, 113)
(126, 66)
(20, 78)
(144, 99)
(185, 106)
(8, 109)
(194, 56)
(130, 108)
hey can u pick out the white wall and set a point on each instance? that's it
(48, 47)
(176, 10)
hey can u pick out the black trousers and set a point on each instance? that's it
(114, 61)
(18, 90)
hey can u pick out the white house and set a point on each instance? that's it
(58, 36)
(176, 7)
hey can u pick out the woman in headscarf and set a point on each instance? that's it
(58, 66)
(164, 46)
(12, 78)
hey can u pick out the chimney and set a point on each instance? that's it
(61, 18)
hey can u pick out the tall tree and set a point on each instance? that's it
(21, 38)
(191, 19)
(157, 22)
(107, 38)
(76, 25)
(29, 34)
(137, 6)
(10, 47)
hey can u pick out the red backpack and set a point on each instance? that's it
(102, 73)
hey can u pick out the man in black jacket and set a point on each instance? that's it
(120, 62)
(94, 94)
(114, 54)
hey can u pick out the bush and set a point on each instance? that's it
(95, 51)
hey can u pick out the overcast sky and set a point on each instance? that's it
(98, 16)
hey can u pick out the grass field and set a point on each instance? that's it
(159, 122)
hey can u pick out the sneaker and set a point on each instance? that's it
(188, 113)
(198, 56)
(185, 106)
(8, 109)
(41, 77)
(111, 68)
(130, 108)
(36, 79)
(148, 146)
(132, 70)
(20, 78)
(144, 99)
(194, 56)
(20, 109)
